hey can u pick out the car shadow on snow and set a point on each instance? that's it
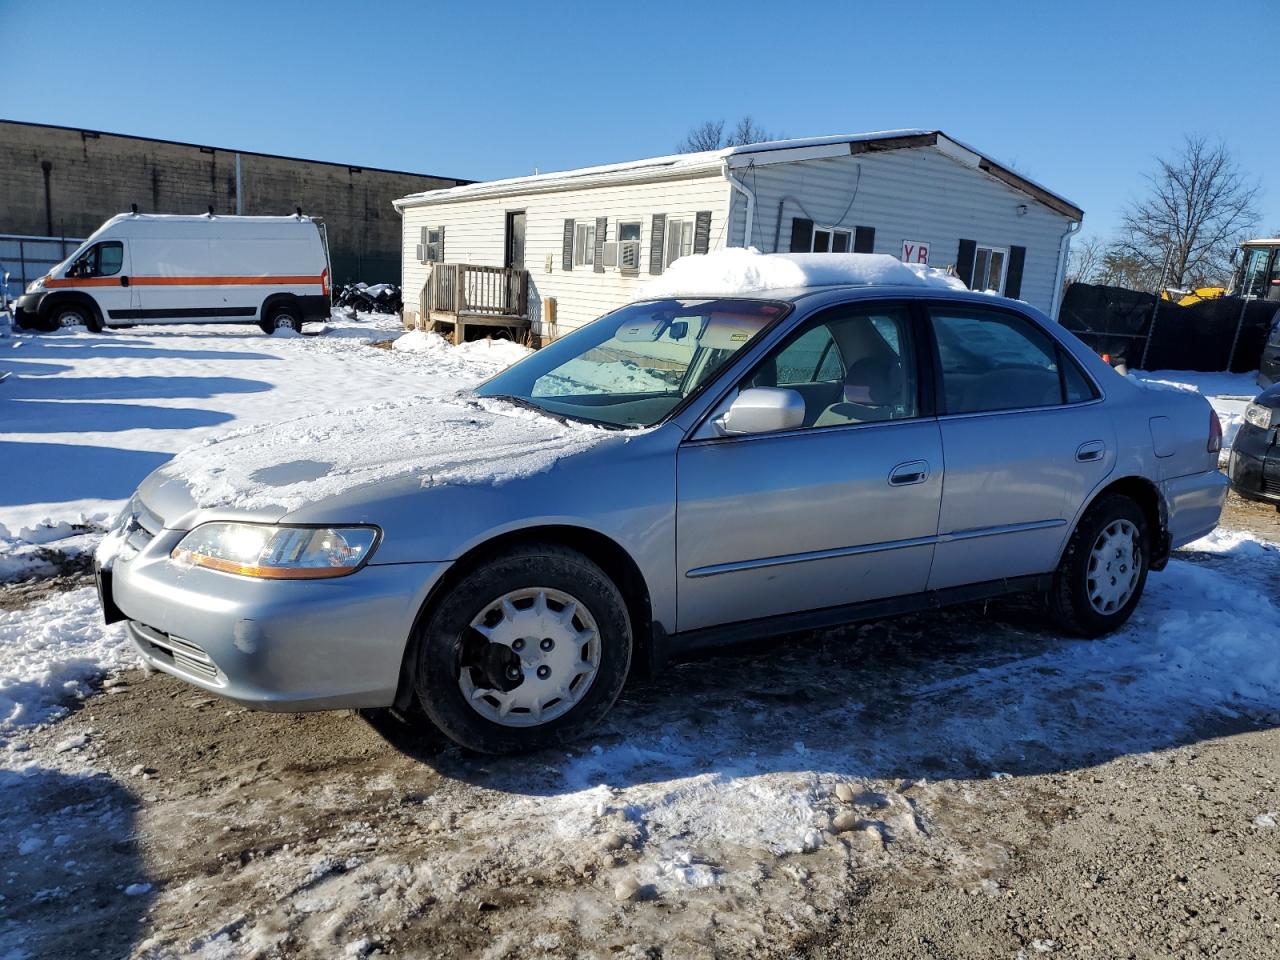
(70, 416)
(963, 693)
(51, 472)
(134, 388)
(73, 871)
(130, 348)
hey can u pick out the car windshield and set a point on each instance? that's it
(633, 367)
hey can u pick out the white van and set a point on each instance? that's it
(148, 268)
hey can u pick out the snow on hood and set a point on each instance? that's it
(461, 441)
(739, 271)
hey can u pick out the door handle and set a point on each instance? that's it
(1091, 451)
(905, 474)
(124, 281)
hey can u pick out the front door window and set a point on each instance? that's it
(100, 260)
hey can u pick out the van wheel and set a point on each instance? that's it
(1104, 569)
(527, 651)
(283, 317)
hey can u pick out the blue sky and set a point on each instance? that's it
(1079, 95)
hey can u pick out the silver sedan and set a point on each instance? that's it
(681, 473)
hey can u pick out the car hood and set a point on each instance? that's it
(270, 470)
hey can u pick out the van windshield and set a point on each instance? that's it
(633, 367)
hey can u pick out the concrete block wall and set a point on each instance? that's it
(93, 175)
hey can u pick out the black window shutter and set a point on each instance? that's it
(566, 247)
(440, 247)
(1013, 276)
(602, 231)
(801, 235)
(702, 231)
(864, 239)
(657, 234)
(964, 261)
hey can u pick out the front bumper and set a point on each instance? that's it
(1254, 467)
(272, 644)
(26, 309)
(1194, 504)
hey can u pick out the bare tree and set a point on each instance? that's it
(1085, 260)
(1198, 208)
(710, 135)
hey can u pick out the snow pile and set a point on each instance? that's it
(49, 652)
(39, 550)
(489, 354)
(435, 441)
(742, 271)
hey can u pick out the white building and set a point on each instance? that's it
(589, 238)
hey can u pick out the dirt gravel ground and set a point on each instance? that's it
(960, 817)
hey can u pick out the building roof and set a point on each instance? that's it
(774, 151)
(94, 134)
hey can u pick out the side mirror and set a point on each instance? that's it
(762, 410)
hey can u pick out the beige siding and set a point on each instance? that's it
(475, 233)
(918, 194)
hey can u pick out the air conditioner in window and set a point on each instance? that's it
(611, 253)
(629, 254)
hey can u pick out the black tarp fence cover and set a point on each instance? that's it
(1117, 321)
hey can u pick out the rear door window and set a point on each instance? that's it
(991, 360)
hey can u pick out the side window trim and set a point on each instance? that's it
(1061, 353)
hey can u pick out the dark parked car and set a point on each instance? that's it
(1255, 457)
(1269, 365)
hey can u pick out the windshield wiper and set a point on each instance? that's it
(554, 415)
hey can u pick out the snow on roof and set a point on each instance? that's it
(738, 271)
(675, 161)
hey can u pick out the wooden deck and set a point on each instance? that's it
(459, 296)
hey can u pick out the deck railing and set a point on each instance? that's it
(464, 289)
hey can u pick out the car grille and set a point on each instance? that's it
(142, 525)
(1271, 486)
(181, 654)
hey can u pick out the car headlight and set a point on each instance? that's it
(277, 552)
(1260, 416)
(36, 285)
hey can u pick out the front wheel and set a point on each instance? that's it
(526, 652)
(73, 315)
(1104, 568)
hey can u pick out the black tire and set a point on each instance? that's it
(447, 633)
(1069, 602)
(282, 316)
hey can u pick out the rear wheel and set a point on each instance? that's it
(526, 652)
(1104, 569)
(282, 317)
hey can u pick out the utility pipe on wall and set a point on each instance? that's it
(751, 205)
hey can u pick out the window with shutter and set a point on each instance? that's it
(964, 261)
(679, 240)
(584, 244)
(1013, 275)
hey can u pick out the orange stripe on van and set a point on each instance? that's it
(186, 281)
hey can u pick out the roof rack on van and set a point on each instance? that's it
(299, 212)
(133, 209)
